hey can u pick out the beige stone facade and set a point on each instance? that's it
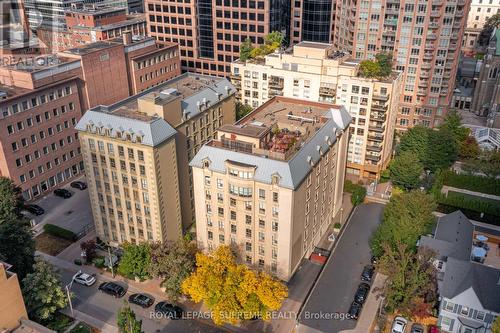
(314, 71)
(12, 308)
(272, 183)
(137, 152)
(480, 11)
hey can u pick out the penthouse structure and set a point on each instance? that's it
(41, 102)
(273, 182)
(137, 154)
(315, 72)
(209, 32)
(91, 23)
(425, 40)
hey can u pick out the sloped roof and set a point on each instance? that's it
(153, 131)
(291, 172)
(461, 275)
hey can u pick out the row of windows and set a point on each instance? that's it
(36, 101)
(28, 158)
(25, 142)
(110, 150)
(39, 118)
(156, 59)
(157, 73)
(48, 166)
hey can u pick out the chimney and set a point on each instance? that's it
(127, 38)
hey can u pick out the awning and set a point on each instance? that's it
(470, 323)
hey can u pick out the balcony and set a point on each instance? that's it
(235, 77)
(375, 137)
(457, 25)
(389, 32)
(426, 65)
(373, 158)
(459, 14)
(392, 11)
(447, 75)
(378, 149)
(275, 92)
(380, 118)
(375, 128)
(429, 46)
(437, 2)
(431, 37)
(454, 35)
(379, 97)
(428, 56)
(391, 22)
(379, 107)
(435, 14)
(327, 91)
(421, 92)
(276, 82)
(433, 25)
(423, 83)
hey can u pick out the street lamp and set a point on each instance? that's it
(68, 287)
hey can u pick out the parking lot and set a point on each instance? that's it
(73, 213)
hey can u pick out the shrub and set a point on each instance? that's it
(57, 231)
(358, 192)
(480, 184)
(98, 262)
(337, 225)
(462, 201)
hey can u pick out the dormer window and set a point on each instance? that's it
(206, 163)
(118, 134)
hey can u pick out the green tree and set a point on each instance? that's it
(17, 246)
(274, 39)
(42, 292)
(232, 291)
(493, 21)
(369, 68)
(11, 200)
(127, 321)
(406, 170)
(173, 262)
(358, 192)
(443, 150)
(416, 141)
(135, 260)
(384, 60)
(469, 149)
(406, 217)
(453, 123)
(246, 49)
(242, 110)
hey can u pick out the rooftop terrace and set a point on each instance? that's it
(277, 129)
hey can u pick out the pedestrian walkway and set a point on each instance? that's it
(371, 307)
(96, 323)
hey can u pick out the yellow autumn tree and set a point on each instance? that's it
(232, 291)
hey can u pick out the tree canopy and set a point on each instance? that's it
(406, 217)
(173, 262)
(493, 21)
(135, 260)
(42, 292)
(406, 170)
(127, 321)
(232, 291)
(272, 42)
(381, 66)
(242, 110)
(11, 201)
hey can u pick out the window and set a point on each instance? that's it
(450, 306)
(275, 196)
(464, 311)
(262, 194)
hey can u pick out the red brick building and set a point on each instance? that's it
(41, 101)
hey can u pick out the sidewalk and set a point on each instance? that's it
(371, 307)
(96, 323)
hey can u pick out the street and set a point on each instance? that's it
(104, 308)
(335, 288)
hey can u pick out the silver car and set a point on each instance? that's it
(84, 279)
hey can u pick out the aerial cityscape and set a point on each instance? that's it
(248, 166)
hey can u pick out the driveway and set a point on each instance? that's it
(329, 301)
(73, 214)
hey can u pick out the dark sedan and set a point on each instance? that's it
(63, 193)
(144, 301)
(34, 209)
(362, 293)
(169, 311)
(79, 185)
(367, 273)
(354, 310)
(112, 289)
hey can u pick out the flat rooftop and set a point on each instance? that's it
(95, 10)
(282, 125)
(314, 45)
(93, 47)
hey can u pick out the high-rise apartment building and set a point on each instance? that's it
(272, 183)
(41, 101)
(312, 20)
(137, 154)
(424, 38)
(210, 33)
(314, 71)
(480, 11)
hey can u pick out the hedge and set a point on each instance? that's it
(480, 184)
(473, 215)
(473, 207)
(57, 231)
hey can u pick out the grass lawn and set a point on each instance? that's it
(51, 244)
(81, 328)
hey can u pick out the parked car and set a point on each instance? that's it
(417, 328)
(112, 289)
(63, 193)
(144, 301)
(79, 185)
(354, 310)
(362, 293)
(169, 310)
(84, 279)
(34, 209)
(399, 325)
(367, 273)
